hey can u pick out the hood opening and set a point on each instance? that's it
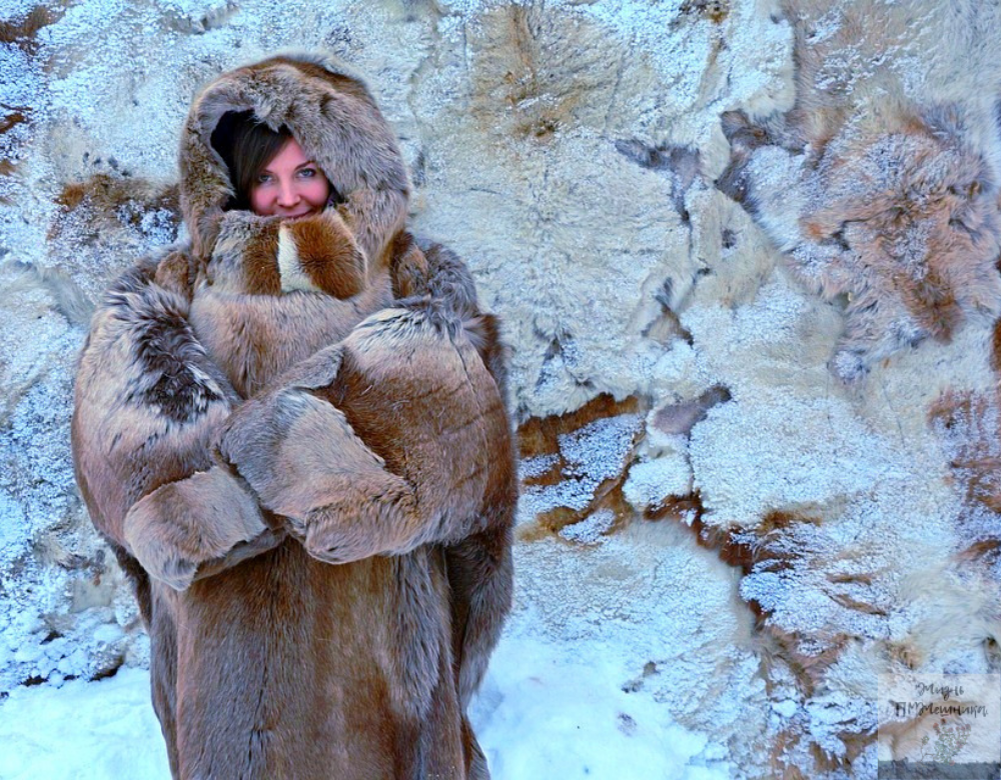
(332, 116)
(234, 131)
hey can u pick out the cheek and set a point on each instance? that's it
(317, 191)
(261, 203)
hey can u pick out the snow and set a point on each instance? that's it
(543, 711)
(83, 731)
(541, 714)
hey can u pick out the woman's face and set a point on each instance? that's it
(289, 186)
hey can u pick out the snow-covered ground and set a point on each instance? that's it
(540, 714)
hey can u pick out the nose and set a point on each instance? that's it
(288, 195)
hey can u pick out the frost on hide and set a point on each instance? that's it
(886, 205)
(968, 424)
(63, 605)
(573, 467)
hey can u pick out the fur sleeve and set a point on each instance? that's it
(395, 438)
(426, 271)
(147, 404)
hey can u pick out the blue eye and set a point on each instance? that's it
(264, 178)
(307, 173)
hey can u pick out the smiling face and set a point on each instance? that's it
(290, 185)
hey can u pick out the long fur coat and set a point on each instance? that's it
(294, 437)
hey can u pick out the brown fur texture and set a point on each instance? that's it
(331, 264)
(324, 568)
(250, 324)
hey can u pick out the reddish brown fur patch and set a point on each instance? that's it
(905, 652)
(518, 94)
(988, 547)
(964, 418)
(7, 167)
(105, 211)
(74, 193)
(608, 496)
(332, 262)
(260, 268)
(996, 347)
(782, 746)
(676, 507)
(932, 302)
(176, 273)
(107, 195)
(540, 435)
(17, 115)
(735, 547)
(968, 424)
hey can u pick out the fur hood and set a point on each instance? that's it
(333, 117)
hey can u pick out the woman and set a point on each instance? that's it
(312, 490)
(270, 173)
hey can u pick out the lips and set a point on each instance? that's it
(299, 214)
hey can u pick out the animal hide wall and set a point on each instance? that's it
(745, 253)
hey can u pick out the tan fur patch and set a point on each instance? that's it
(289, 268)
(260, 269)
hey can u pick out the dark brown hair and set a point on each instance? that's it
(246, 146)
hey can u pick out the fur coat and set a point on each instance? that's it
(294, 437)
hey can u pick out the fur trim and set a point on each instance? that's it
(144, 386)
